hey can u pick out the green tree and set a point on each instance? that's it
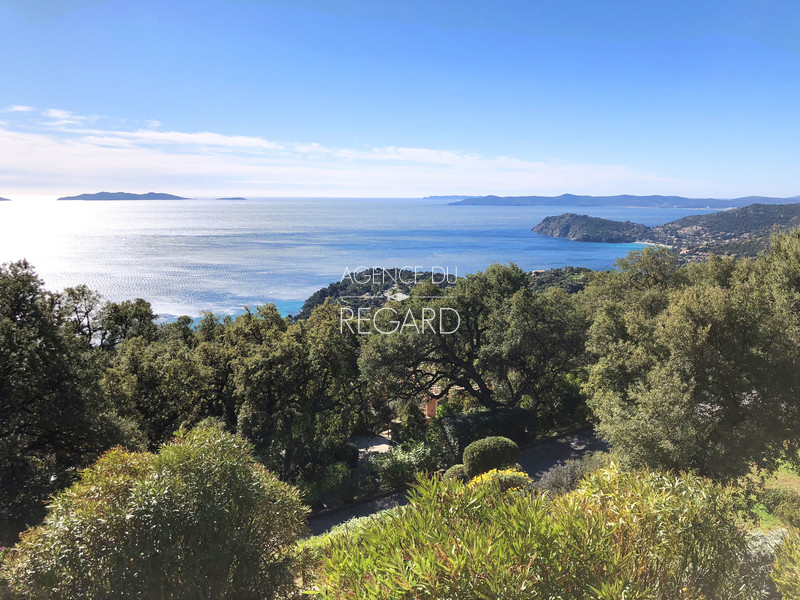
(52, 415)
(298, 393)
(511, 347)
(702, 378)
(127, 319)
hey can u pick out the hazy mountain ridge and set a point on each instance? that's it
(124, 196)
(741, 231)
(621, 200)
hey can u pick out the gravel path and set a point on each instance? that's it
(535, 459)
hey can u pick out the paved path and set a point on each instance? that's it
(535, 459)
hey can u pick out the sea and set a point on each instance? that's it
(190, 256)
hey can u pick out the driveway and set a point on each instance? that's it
(535, 459)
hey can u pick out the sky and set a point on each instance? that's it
(405, 98)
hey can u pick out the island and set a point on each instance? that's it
(124, 196)
(233, 198)
(741, 231)
(5, 200)
(625, 200)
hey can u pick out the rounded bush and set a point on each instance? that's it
(200, 519)
(489, 453)
(505, 479)
(457, 473)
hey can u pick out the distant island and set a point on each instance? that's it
(623, 200)
(740, 231)
(124, 196)
(233, 198)
(5, 200)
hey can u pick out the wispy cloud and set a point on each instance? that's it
(63, 154)
(19, 108)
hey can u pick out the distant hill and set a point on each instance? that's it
(583, 228)
(124, 196)
(232, 198)
(4, 200)
(623, 200)
(739, 231)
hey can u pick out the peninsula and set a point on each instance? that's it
(625, 200)
(124, 196)
(5, 200)
(740, 231)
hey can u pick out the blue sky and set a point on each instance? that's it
(345, 98)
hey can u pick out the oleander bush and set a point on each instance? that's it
(489, 453)
(619, 535)
(199, 519)
(786, 573)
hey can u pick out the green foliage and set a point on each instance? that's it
(786, 573)
(783, 503)
(399, 466)
(512, 345)
(124, 320)
(200, 519)
(489, 453)
(694, 368)
(450, 435)
(457, 473)
(638, 535)
(53, 418)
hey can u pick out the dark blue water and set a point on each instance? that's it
(189, 256)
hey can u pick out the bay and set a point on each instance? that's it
(190, 256)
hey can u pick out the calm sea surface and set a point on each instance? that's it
(188, 256)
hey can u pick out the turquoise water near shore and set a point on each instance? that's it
(190, 256)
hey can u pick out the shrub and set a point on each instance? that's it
(786, 573)
(635, 536)
(200, 519)
(517, 424)
(340, 482)
(398, 467)
(783, 503)
(504, 479)
(566, 476)
(489, 453)
(457, 473)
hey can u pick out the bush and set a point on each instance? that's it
(504, 479)
(517, 424)
(566, 476)
(457, 473)
(783, 503)
(200, 519)
(489, 453)
(398, 467)
(786, 573)
(635, 536)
